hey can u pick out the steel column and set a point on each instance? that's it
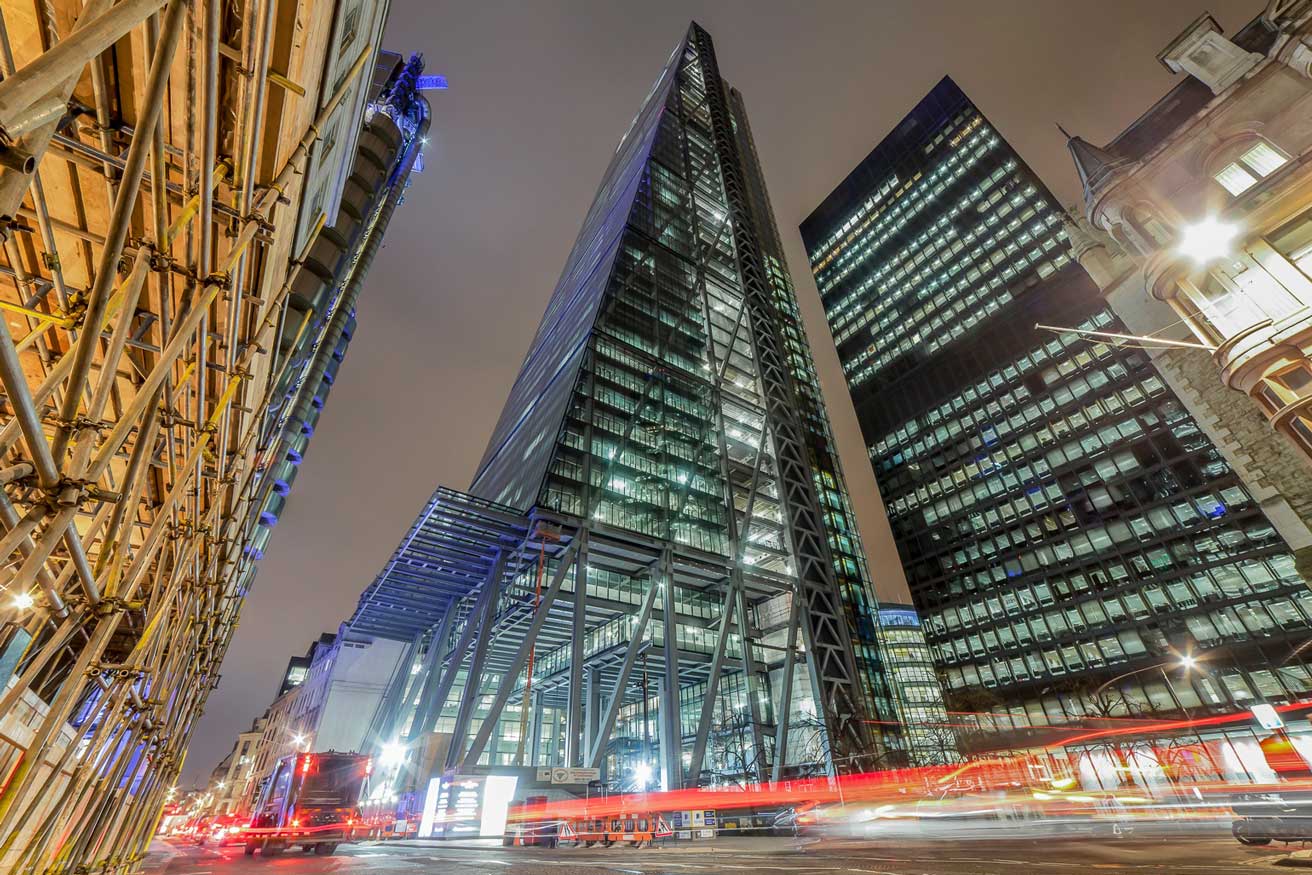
(712, 685)
(394, 697)
(783, 709)
(843, 696)
(473, 683)
(636, 640)
(751, 681)
(428, 707)
(507, 687)
(592, 715)
(535, 731)
(671, 726)
(579, 627)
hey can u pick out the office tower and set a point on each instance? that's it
(660, 491)
(1061, 517)
(189, 196)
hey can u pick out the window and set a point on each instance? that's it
(1258, 162)
(1238, 293)
(1235, 179)
(1296, 379)
(1263, 159)
(1294, 241)
(350, 25)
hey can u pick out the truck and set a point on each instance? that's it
(311, 800)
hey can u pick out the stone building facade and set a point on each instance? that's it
(1197, 226)
(1271, 466)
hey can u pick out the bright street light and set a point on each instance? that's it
(298, 739)
(23, 601)
(1186, 662)
(642, 775)
(1207, 240)
(392, 754)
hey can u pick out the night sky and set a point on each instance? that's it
(540, 94)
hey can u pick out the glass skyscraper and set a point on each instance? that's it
(1061, 518)
(670, 393)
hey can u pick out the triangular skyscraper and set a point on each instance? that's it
(670, 389)
(659, 577)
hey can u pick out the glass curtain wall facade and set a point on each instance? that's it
(1061, 518)
(670, 392)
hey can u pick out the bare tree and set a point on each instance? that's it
(1108, 702)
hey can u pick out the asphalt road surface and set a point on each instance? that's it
(993, 856)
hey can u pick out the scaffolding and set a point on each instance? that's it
(160, 353)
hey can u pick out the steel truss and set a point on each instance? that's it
(826, 626)
(149, 285)
(589, 643)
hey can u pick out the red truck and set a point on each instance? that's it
(311, 800)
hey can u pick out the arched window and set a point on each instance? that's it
(1145, 220)
(1122, 239)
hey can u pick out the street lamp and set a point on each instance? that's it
(1186, 662)
(642, 775)
(1207, 240)
(392, 754)
(23, 601)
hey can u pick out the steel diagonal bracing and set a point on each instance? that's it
(145, 282)
(507, 687)
(831, 647)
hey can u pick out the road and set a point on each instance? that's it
(1137, 856)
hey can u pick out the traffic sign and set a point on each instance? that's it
(563, 775)
(1267, 716)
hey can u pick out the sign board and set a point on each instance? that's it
(709, 818)
(467, 806)
(683, 834)
(544, 774)
(562, 775)
(431, 82)
(436, 792)
(705, 833)
(1267, 716)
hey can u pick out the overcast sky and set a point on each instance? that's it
(540, 94)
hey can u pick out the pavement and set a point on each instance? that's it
(1140, 855)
